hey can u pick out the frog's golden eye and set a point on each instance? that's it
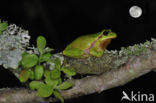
(105, 33)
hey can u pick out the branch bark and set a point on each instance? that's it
(135, 66)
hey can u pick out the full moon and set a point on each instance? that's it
(135, 11)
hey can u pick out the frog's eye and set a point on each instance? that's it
(105, 33)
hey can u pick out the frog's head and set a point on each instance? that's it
(108, 34)
(105, 38)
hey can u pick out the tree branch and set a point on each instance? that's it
(135, 66)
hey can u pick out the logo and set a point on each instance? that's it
(140, 97)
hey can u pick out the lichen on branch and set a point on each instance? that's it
(110, 59)
(134, 68)
(13, 42)
(113, 69)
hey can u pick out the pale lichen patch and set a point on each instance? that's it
(13, 42)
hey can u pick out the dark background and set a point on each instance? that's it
(61, 21)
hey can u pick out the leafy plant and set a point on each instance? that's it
(3, 26)
(42, 79)
(29, 60)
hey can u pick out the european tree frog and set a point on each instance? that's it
(89, 45)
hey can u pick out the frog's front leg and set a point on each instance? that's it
(74, 52)
(96, 53)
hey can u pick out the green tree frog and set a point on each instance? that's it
(89, 45)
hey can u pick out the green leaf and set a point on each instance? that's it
(45, 91)
(3, 26)
(47, 74)
(58, 95)
(59, 80)
(31, 75)
(38, 72)
(29, 60)
(35, 85)
(45, 57)
(57, 63)
(68, 71)
(41, 43)
(64, 85)
(48, 80)
(24, 76)
(52, 82)
(55, 74)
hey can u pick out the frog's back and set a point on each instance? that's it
(84, 42)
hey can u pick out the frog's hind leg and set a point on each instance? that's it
(74, 52)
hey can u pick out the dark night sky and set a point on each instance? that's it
(61, 21)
